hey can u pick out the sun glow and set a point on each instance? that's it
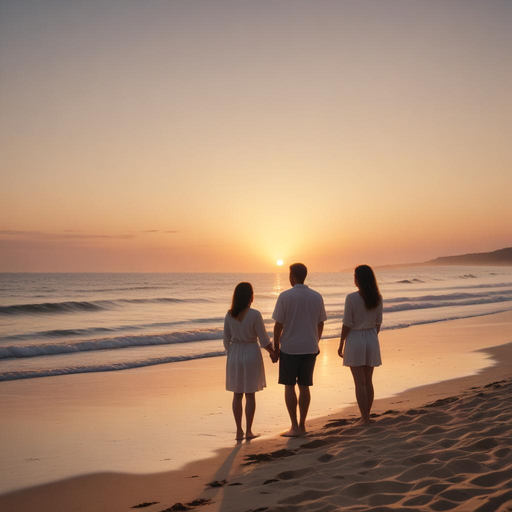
(280, 263)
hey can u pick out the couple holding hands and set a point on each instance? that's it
(299, 317)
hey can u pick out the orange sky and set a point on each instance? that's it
(220, 135)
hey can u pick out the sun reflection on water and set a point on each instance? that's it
(280, 282)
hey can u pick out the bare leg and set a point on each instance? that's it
(237, 413)
(250, 409)
(361, 393)
(304, 401)
(368, 372)
(291, 404)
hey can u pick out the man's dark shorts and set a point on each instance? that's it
(296, 369)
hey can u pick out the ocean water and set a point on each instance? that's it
(57, 324)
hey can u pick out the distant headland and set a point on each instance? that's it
(501, 257)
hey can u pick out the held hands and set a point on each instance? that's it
(274, 355)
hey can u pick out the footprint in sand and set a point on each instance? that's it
(265, 457)
(317, 443)
(326, 457)
(297, 473)
(418, 501)
(448, 443)
(419, 459)
(419, 471)
(440, 505)
(436, 489)
(483, 444)
(492, 478)
(378, 500)
(361, 489)
(502, 452)
(460, 495)
(304, 497)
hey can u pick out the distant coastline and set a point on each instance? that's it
(498, 258)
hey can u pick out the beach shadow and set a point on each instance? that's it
(220, 478)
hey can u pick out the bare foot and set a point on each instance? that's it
(239, 435)
(293, 432)
(302, 430)
(250, 436)
(362, 423)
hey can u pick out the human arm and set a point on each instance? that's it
(378, 320)
(347, 324)
(320, 329)
(278, 330)
(273, 354)
(261, 332)
(265, 342)
(322, 317)
(344, 333)
(227, 334)
(279, 315)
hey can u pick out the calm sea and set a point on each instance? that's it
(56, 324)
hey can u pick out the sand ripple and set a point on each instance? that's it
(453, 454)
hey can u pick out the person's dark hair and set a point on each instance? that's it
(241, 298)
(299, 271)
(368, 287)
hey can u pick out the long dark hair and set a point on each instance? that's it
(368, 287)
(241, 298)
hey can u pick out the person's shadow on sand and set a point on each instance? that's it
(220, 479)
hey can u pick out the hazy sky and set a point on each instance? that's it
(209, 135)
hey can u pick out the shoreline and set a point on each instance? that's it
(327, 338)
(98, 490)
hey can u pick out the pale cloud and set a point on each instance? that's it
(158, 231)
(20, 233)
(57, 236)
(88, 237)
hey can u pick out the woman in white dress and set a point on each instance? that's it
(245, 373)
(362, 319)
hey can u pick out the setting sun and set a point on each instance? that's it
(280, 263)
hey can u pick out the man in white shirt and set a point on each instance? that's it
(299, 315)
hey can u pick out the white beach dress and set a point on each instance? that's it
(362, 344)
(245, 372)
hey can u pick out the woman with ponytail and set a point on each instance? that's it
(245, 373)
(359, 343)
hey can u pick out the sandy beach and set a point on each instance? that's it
(436, 445)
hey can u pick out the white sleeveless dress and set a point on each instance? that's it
(245, 372)
(362, 344)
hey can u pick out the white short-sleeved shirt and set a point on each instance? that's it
(300, 309)
(357, 317)
(248, 330)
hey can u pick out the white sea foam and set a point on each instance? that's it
(451, 296)
(49, 349)
(408, 306)
(81, 306)
(27, 374)
(330, 333)
(91, 331)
